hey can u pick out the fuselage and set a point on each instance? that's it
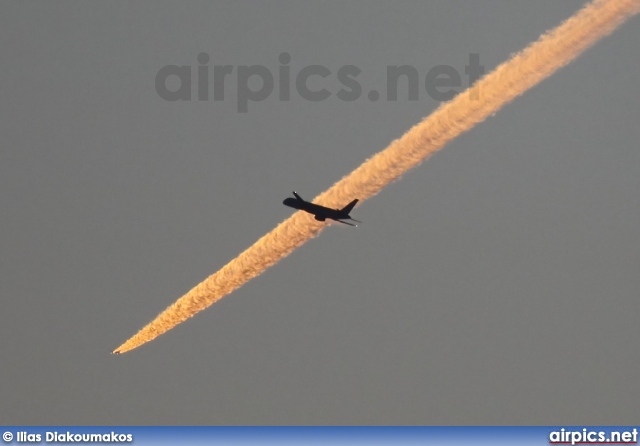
(320, 212)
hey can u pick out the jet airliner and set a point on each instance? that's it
(321, 213)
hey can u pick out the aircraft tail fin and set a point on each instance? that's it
(347, 208)
(295, 194)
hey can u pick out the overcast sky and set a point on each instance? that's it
(495, 284)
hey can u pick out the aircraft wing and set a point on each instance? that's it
(344, 222)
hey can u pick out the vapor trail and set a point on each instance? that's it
(539, 60)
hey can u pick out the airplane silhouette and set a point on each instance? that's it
(321, 213)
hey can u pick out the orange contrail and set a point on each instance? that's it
(539, 60)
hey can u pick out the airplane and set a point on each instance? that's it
(321, 213)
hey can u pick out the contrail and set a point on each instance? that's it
(509, 80)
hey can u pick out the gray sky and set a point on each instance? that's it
(497, 283)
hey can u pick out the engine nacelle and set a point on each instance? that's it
(319, 218)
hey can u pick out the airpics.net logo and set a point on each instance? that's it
(256, 83)
(591, 436)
